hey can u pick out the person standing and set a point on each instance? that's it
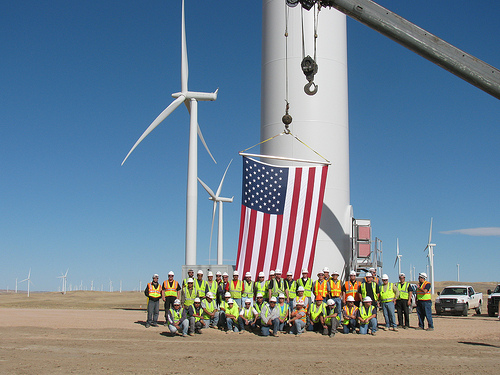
(306, 283)
(153, 292)
(223, 288)
(367, 317)
(190, 276)
(369, 288)
(248, 288)
(188, 293)
(236, 288)
(388, 295)
(424, 302)
(350, 288)
(276, 286)
(403, 302)
(260, 286)
(321, 287)
(291, 289)
(349, 314)
(200, 285)
(171, 290)
(212, 285)
(336, 290)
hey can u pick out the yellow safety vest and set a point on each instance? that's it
(154, 292)
(364, 313)
(189, 296)
(213, 288)
(248, 314)
(261, 287)
(374, 289)
(403, 290)
(176, 314)
(210, 306)
(283, 310)
(306, 285)
(349, 312)
(200, 289)
(278, 287)
(170, 288)
(233, 311)
(292, 288)
(317, 310)
(388, 295)
(247, 289)
(235, 290)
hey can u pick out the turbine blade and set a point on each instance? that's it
(167, 111)
(397, 246)
(188, 106)
(184, 61)
(66, 274)
(430, 233)
(223, 177)
(396, 261)
(209, 191)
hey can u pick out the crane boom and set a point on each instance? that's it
(422, 42)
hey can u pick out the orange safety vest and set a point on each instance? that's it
(348, 312)
(170, 290)
(352, 289)
(321, 289)
(335, 288)
(154, 292)
(424, 296)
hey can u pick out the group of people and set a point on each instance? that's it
(283, 304)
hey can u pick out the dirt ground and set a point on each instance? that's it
(50, 339)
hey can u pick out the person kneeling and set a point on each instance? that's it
(233, 319)
(270, 317)
(317, 314)
(249, 316)
(298, 320)
(177, 319)
(367, 317)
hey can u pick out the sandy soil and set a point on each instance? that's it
(111, 340)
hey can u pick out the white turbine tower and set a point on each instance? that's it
(398, 257)
(190, 99)
(16, 284)
(430, 247)
(28, 279)
(216, 198)
(64, 280)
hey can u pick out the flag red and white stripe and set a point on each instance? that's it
(280, 216)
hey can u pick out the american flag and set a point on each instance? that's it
(280, 216)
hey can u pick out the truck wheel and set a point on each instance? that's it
(466, 310)
(478, 309)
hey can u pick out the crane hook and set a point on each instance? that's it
(308, 86)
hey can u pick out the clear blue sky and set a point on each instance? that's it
(81, 81)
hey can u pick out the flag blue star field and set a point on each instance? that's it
(280, 216)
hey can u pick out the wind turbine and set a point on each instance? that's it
(216, 198)
(28, 279)
(190, 99)
(64, 280)
(398, 257)
(430, 247)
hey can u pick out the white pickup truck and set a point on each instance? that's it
(458, 299)
(493, 301)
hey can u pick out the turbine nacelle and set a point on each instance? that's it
(199, 96)
(221, 199)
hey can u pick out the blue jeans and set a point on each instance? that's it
(351, 326)
(238, 302)
(372, 324)
(184, 326)
(275, 324)
(338, 304)
(424, 311)
(298, 327)
(235, 326)
(214, 321)
(388, 309)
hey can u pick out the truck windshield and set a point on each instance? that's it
(454, 291)
(497, 289)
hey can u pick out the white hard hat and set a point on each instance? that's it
(353, 273)
(367, 299)
(273, 299)
(225, 274)
(197, 299)
(369, 274)
(171, 273)
(289, 273)
(305, 270)
(350, 299)
(300, 289)
(248, 300)
(402, 274)
(236, 273)
(155, 275)
(335, 273)
(177, 302)
(190, 280)
(210, 274)
(281, 295)
(230, 300)
(372, 269)
(422, 274)
(262, 274)
(259, 295)
(200, 272)
(227, 294)
(330, 302)
(210, 295)
(218, 273)
(271, 272)
(326, 269)
(248, 274)
(385, 277)
(299, 302)
(278, 271)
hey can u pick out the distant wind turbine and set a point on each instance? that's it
(216, 198)
(190, 99)
(430, 247)
(64, 281)
(110, 285)
(28, 279)
(398, 257)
